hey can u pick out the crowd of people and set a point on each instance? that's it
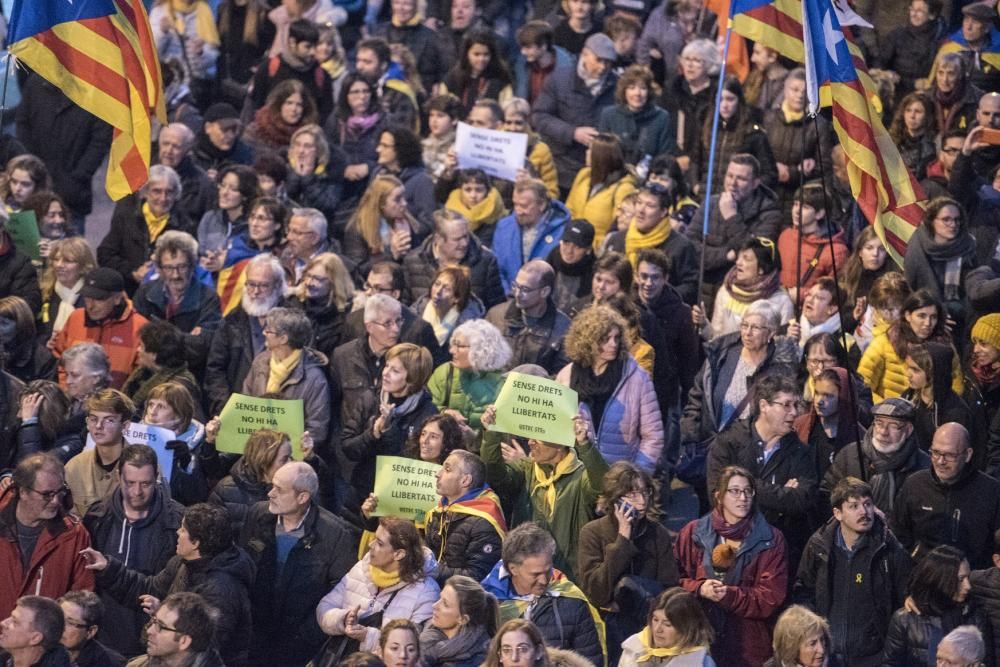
(310, 231)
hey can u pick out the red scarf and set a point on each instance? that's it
(986, 375)
(736, 532)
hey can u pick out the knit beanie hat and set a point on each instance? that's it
(987, 329)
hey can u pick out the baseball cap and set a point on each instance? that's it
(221, 111)
(601, 46)
(579, 232)
(102, 283)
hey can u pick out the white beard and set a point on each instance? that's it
(887, 449)
(258, 307)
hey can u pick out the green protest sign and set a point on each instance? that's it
(533, 407)
(245, 414)
(23, 229)
(406, 488)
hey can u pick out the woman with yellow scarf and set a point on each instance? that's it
(678, 634)
(479, 202)
(185, 31)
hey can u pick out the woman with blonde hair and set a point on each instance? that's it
(518, 643)
(399, 643)
(464, 619)
(619, 395)
(801, 639)
(516, 117)
(449, 303)
(381, 429)
(382, 227)
(289, 107)
(249, 480)
(677, 634)
(309, 182)
(325, 294)
(601, 186)
(70, 259)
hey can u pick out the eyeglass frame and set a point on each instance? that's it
(49, 496)
(161, 626)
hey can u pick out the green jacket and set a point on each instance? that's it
(470, 392)
(576, 495)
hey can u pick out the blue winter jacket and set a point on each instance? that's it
(507, 241)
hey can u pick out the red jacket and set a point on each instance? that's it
(56, 565)
(788, 249)
(744, 618)
(118, 336)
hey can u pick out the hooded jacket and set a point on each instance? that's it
(947, 407)
(309, 381)
(55, 567)
(407, 600)
(224, 581)
(963, 514)
(631, 428)
(145, 545)
(420, 266)
(815, 248)
(884, 567)
(756, 588)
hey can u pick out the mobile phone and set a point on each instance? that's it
(627, 508)
(990, 136)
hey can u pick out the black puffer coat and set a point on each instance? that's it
(284, 598)
(224, 580)
(912, 637)
(238, 492)
(463, 543)
(17, 275)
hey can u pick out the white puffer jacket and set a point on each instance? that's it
(412, 601)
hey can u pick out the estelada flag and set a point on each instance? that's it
(101, 54)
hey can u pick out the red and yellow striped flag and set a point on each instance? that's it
(101, 54)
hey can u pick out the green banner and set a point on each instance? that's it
(243, 415)
(23, 229)
(533, 407)
(406, 488)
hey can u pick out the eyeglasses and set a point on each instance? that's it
(78, 626)
(377, 289)
(787, 406)
(49, 496)
(257, 287)
(94, 420)
(945, 457)
(161, 626)
(523, 289)
(391, 324)
(753, 328)
(820, 362)
(175, 268)
(515, 651)
(741, 493)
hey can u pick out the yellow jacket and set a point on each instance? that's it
(541, 160)
(600, 209)
(885, 373)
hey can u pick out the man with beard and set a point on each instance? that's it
(887, 456)
(179, 297)
(766, 444)
(241, 336)
(198, 192)
(952, 503)
(138, 525)
(854, 573)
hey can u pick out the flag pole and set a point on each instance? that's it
(711, 163)
(3, 95)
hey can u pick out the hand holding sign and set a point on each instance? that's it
(533, 407)
(244, 415)
(404, 487)
(500, 154)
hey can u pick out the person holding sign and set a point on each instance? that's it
(288, 369)
(467, 527)
(171, 406)
(556, 486)
(619, 395)
(372, 429)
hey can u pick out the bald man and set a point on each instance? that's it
(951, 503)
(198, 192)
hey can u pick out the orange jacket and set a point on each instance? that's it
(119, 337)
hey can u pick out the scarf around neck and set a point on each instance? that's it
(761, 287)
(547, 481)
(952, 255)
(154, 223)
(381, 578)
(731, 531)
(987, 374)
(280, 370)
(486, 212)
(204, 21)
(443, 326)
(646, 639)
(654, 238)
(593, 84)
(791, 116)
(67, 302)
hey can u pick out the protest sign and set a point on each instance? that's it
(406, 488)
(156, 437)
(533, 407)
(23, 229)
(498, 153)
(245, 414)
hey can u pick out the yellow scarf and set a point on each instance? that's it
(318, 171)
(280, 370)
(416, 19)
(381, 578)
(486, 212)
(646, 639)
(155, 223)
(636, 240)
(791, 116)
(548, 482)
(204, 21)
